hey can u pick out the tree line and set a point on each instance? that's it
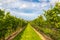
(9, 23)
(49, 22)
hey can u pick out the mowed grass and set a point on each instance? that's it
(28, 34)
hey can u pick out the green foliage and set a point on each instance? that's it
(52, 16)
(9, 23)
(1, 14)
(39, 21)
(50, 26)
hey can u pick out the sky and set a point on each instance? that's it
(26, 9)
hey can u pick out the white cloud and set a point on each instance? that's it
(7, 1)
(29, 15)
(36, 7)
(43, 0)
(44, 4)
(23, 6)
(25, 16)
(54, 1)
(0, 4)
(59, 0)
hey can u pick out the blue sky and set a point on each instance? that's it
(26, 9)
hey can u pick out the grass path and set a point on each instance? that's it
(42, 37)
(28, 34)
